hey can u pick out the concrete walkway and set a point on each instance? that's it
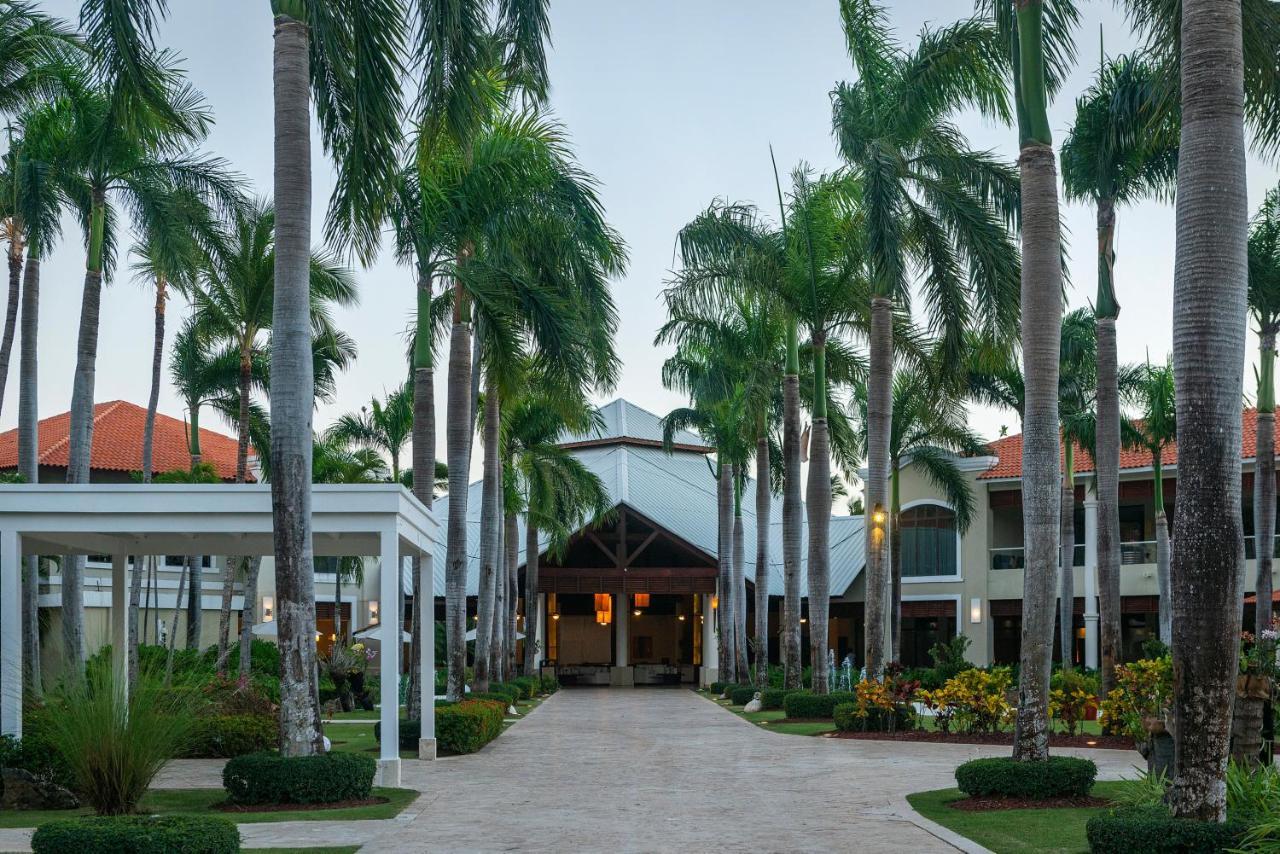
(650, 770)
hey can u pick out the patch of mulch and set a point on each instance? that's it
(993, 803)
(227, 806)
(798, 721)
(1102, 742)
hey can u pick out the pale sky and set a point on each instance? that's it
(671, 104)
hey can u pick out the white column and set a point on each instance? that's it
(621, 617)
(120, 616)
(426, 600)
(1091, 579)
(391, 634)
(10, 634)
(710, 643)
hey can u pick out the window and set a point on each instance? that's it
(928, 541)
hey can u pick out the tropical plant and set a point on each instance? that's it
(930, 430)
(383, 426)
(1122, 148)
(1157, 429)
(929, 202)
(1264, 302)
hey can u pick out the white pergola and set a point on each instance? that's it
(382, 520)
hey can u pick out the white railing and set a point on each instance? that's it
(1011, 557)
(1132, 553)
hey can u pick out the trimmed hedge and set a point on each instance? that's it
(772, 698)
(468, 726)
(1056, 777)
(268, 778)
(717, 688)
(133, 834)
(550, 684)
(410, 732)
(740, 695)
(802, 704)
(528, 686)
(223, 736)
(1152, 830)
(505, 689)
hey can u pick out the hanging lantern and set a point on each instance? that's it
(642, 600)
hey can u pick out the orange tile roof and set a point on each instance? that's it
(1009, 450)
(117, 442)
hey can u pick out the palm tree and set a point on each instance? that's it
(1122, 148)
(930, 431)
(235, 305)
(469, 61)
(1264, 301)
(928, 202)
(1209, 329)
(383, 427)
(347, 56)
(199, 472)
(1157, 429)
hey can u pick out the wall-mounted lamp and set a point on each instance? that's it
(374, 611)
(975, 610)
(268, 608)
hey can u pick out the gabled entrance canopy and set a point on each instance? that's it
(382, 520)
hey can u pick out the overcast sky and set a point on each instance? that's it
(670, 103)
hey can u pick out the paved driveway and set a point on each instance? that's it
(649, 770)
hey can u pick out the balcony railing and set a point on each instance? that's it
(1131, 554)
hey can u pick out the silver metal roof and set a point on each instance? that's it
(621, 419)
(676, 491)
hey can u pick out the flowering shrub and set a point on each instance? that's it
(1143, 692)
(972, 701)
(1258, 655)
(1073, 695)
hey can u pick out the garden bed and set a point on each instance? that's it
(1099, 742)
(227, 806)
(992, 803)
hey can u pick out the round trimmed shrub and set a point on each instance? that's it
(1152, 830)
(717, 688)
(740, 695)
(505, 689)
(133, 834)
(410, 733)
(468, 726)
(550, 684)
(772, 698)
(528, 686)
(1056, 777)
(268, 778)
(802, 704)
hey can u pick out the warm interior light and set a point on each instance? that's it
(715, 602)
(878, 517)
(333, 636)
(975, 610)
(804, 619)
(637, 612)
(268, 608)
(642, 600)
(680, 617)
(555, 616)
(373, 611)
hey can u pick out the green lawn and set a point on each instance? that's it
(1015, 831)
(337, 849)
(358, 737)
(202, 801)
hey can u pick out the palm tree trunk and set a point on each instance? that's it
(498, 646)
(1041, 334)
(11, 315)
(879, 425)
(458, 441)
(532, 609)
(1067, 568)
(423, 461)
(1209, 328)
(249, 615)
(739, 580)
(724, 517)
(148, 443)
(337, 606)
(29, 460)
(293, 393)
(173, 629)
(489, 521)
(242, 475)
(196, 603)
(1107, 450)
(1164, 552)
(895, 561)
(763, 501)
(1264, 480)
(819, 507)
(792, 515)
(511, 546)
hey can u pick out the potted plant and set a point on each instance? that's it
(1254, 686)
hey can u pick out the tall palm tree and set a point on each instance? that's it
(930, 431)
(1157, 429)
(928, 202)
(1123, 147)
(345, 55)
(1264, 302)
(235, 305)
(1209, 329)
(468, 58)
(384, 427)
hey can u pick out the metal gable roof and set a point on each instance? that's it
(622, 420)
(677, 492)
